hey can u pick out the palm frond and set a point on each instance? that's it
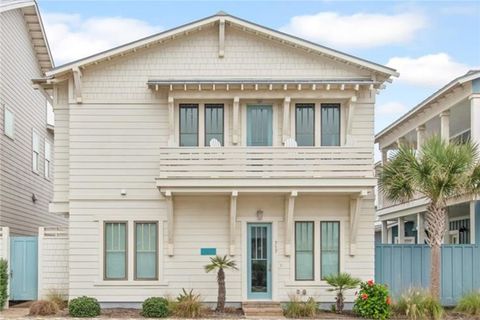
(218, 262)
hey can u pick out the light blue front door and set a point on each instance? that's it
(259, 125)
(259, 268)
(23, 268)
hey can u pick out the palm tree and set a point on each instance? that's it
(341, 282)
(439, 171)
(220, 264)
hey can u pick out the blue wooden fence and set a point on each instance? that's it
(408, 265)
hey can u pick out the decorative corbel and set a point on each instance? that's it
(77, 80)
(355, 207)
(289, 213)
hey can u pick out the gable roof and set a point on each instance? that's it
(469, 76)
(33, 20)
(268, 33)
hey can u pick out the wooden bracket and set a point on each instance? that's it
(77, 80)
(355, 207)
(289, 214)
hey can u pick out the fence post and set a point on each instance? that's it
(6, 256)
(41, 235)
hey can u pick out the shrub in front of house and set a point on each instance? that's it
(3, 283)
(188, 305)
(296, 308)
(155, 307)
(43, 308)
(418, 304)
(372, 301)
(84, 307)
(469, 304)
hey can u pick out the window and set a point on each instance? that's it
(304, 264)
(115, 255)
(330, 247)
(35, 151)
(330, 124)
(304, 124)
(189, 125)
(48, 158)
(259, 125)
(213, 123)
(8, 123)
(146, 255)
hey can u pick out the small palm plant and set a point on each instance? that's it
(341, 282)
(220, 264)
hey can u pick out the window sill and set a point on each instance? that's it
(130, 283)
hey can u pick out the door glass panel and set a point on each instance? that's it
(259, 258)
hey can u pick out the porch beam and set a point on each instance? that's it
(289, 213)
(233, 221)
(171, 121)
(351, 112)
(355, 207)
(170, 222)
(221, 38)
(286, 118)
(236, 134)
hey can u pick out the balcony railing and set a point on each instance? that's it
(265, 162)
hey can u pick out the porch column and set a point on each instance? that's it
(384, 232)
(445, 125)
(475, 117)
(236, 118)
(170, 222)
(171, 122)
(233, 221)
(289, 212)
(401, 230)
(384, 155)
(420, 136)
(420, 228)
(286, 119)
(472, 221)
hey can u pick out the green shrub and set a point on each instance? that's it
(43, 308)
(84, 307)
(58, 298)
(155, 307)
(372, 301)
(469, 304)
(296, 308)
(188, 305)
(419, 304)
(3, 283)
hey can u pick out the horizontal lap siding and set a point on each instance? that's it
(18, 182)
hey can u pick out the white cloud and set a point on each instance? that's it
(73, 37)
(360, 30)
(392, 108)
(430, 70)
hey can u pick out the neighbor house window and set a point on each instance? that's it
(213, 123)
(188, 125)
(35, 151)
(146, 254)
(8, 123)
(330, 248)
(304, 124)
(330, 124)
(304, 264)
(48, 158)
(115, 245)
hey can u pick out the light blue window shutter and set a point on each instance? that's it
(213, 123)
(188, 125)
(259, 125)
(304, 124)
(304, 251)
(330, 248)
(330, 125)
(115, 251)
(146, 250)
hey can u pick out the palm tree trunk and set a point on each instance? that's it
(221, 291)
(436, 228)
(340, 304)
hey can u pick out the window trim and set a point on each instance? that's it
(339, 106)
(313, 250)
(312, 105)
(156, 278)
(197, 106)
(216, 105)
(105, 278)
(5, 110)
(339, 268)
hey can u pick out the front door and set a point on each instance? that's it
(259, 268)
(259, 125)
(23, 268)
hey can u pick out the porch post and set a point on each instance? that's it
(420, 228)
(170, 221)
(233, 221)
(289, 211)
(445, 125)
(475, 117)
(235, 133)
(171, 122)
(420, 136)
(384, 232)
(472, 221)
(401, 230)
(286, 119)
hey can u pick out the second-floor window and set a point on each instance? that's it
(304, 124)
(35, 152)
(48, 158)
(214, 123)
(8, 123)
(259, 125)
(330, 124)
(188, 125)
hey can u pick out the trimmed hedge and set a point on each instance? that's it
(3, 283)
(155, 307)
(84, 307)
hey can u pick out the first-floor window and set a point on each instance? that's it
(304, 265)
(188, 125)
(35, 151)
(330, 248)
(146, 254)
(115, 245)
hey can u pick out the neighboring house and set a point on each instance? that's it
(182, 145)
(26, 139)
(453, 112)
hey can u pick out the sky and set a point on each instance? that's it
(428, 42)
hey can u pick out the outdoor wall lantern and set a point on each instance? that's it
(259, 214)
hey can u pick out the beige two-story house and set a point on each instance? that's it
(219, 137)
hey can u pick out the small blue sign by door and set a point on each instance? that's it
(23, 268)
(208, 251)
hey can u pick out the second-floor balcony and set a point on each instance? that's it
(265, 167)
